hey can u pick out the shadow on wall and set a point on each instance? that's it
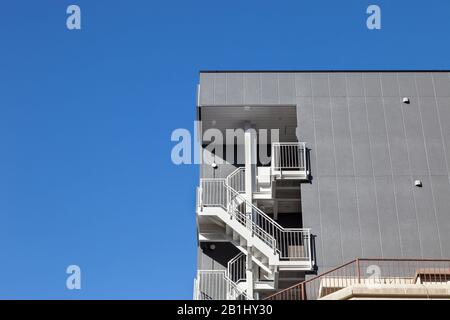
(219, 252)
(308, 165)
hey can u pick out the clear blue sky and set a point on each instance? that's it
(86, 117)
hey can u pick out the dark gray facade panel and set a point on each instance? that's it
(305, 122)
(414, 134)
(320, 85)
(372, 84)
(305, 127)
(368, 209)
(220, 88)
(424, 84)
(388, 218)
(287, 88)
(331, 227)
(206, 171)
(355, 87)
(398, 150)
(407, 214)
(342, 137)
(378, 136)
(389, 84)
(312, 214)
(407, 84)
(324, 137)
(367, 148)
(269, 88)
(252, 88)
(235, 88)
(441, 189)
(428, 225)
(442, 84)
(433, 137)
(338, 85)
(207, 88)
(303, 85)
(349, 218)
(360, 137)
(443, 105)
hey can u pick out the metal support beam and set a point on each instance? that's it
(250, 176)
(249, 272)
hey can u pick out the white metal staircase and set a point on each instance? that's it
(223, 284)
(273, 247)
(216, 285)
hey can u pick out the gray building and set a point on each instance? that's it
(359, 168)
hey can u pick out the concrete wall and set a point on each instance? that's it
(367, 148)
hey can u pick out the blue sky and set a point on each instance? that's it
(86, 116)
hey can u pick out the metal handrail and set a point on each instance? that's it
(237, 268)
(240, 214)
(289, 243)
(363, 271)
(216, 285)
(236, 180)
(288, 156)
(286, 241)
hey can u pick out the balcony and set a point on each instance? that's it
(216, 285)
(376, 279)
(286, 248)
(289, 160)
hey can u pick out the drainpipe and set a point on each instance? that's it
(250, 176)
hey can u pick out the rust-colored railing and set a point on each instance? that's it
(369, 272)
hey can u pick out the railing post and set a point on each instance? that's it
(303, 293)
(273, 157)
(200, 195)
(358, 271)
(304, 159)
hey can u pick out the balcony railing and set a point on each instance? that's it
(237, 268)
(289, 158)
(216, 285)
(370, 272)
(293, 244)
(236, 180)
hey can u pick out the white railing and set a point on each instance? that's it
(196, 290)
(216, 285)
(237, 268)
(216, 193)
(236, 180)
(288, 156)
(289, 243)
(213, 193)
